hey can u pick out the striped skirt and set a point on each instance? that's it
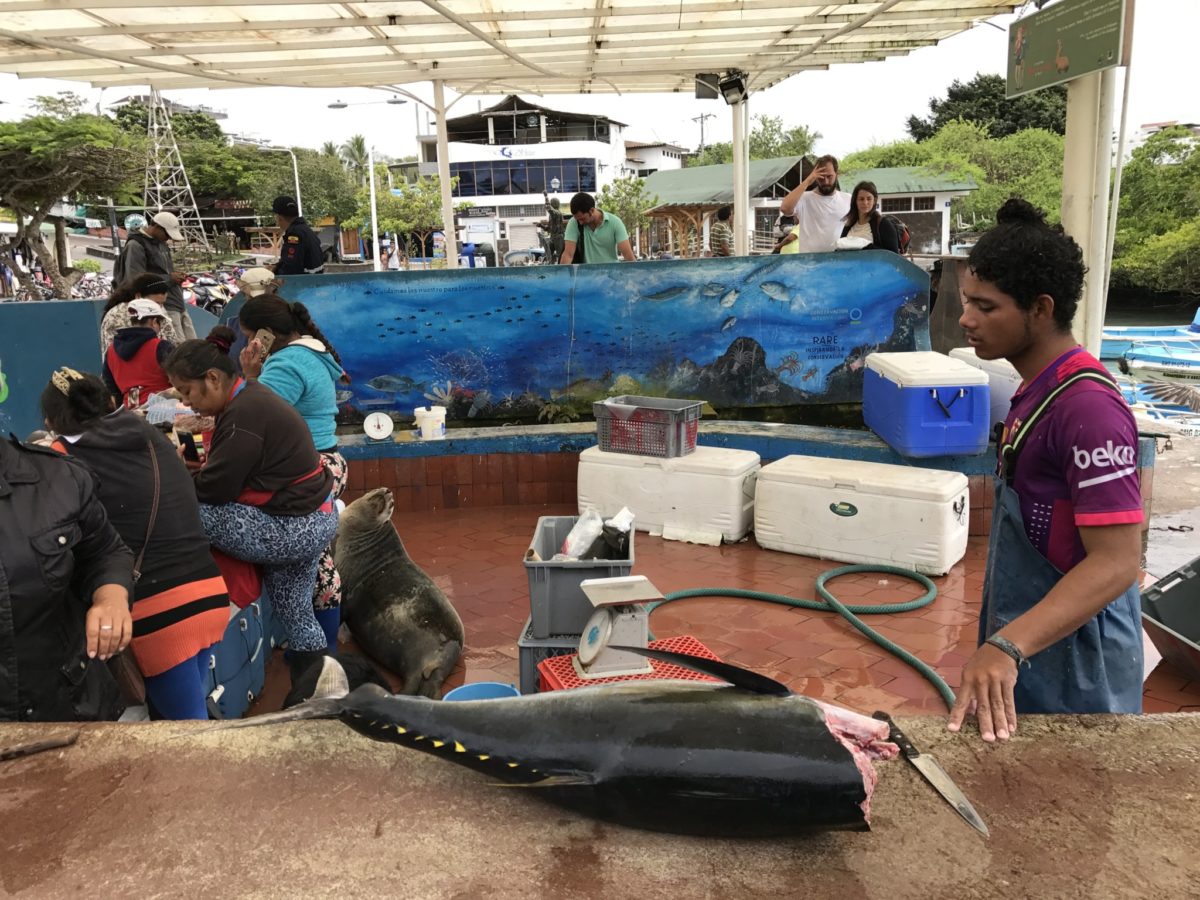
(172, 623)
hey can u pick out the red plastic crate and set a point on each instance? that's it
(558, 672)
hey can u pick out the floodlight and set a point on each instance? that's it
(733, 87)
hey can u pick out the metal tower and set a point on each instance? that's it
(167, 186)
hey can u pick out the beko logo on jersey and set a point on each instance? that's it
(1103, 457)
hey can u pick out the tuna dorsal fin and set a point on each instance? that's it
(735, 675)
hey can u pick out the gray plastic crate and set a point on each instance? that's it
(1171, 616)
(557, 604)
(533, 650)
(647, 426)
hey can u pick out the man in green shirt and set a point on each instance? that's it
(720, 238)
(603, 234)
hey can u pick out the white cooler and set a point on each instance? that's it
(1003, 380)
(702, 497)
(861, 512)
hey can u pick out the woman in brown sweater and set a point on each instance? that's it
(264, 495)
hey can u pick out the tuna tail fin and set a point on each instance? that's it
(326, 708)
(735, 675)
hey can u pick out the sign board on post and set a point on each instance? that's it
(1071, 39)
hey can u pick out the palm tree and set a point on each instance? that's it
(329, 148)
(355, 156)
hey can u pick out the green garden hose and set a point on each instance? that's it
(851, 613)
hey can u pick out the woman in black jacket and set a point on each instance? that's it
(181, 606)
(864, 220)
(64, 603)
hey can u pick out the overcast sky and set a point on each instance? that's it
(852, 106)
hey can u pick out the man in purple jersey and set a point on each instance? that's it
(1060, 626)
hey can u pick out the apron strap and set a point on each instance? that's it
(1010, 451)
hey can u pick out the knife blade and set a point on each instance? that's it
(935, 775)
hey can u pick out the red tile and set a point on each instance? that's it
(404, 499)
(540, 493)
(1154, 705)
(509, 488)
(495, 468)
(851, 658)
(463, 469)
(433, 469)
(355, 474)
(479, 469)
(371, 474)
(510, 468)
(540, 469)
(525, 467)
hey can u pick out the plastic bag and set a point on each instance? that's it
(583, 535)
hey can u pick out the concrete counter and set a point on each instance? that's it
(1094, 807)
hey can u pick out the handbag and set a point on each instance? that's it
(123, 667)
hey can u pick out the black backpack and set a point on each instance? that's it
(903, 235)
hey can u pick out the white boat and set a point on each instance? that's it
(1164, 406)
(1176, 364)
(1117, 340)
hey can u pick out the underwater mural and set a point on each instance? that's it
(542, 343)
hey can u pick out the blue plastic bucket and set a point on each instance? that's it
(482, 690)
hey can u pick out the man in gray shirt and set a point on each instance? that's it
(147, 251)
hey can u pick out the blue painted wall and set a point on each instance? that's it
(37, 338)
(526, 344)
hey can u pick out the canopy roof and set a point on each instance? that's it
(484, 46)
(907, 180)
(712, 186)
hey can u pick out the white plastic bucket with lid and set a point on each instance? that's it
(430, 422)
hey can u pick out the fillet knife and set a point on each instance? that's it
(935, 775)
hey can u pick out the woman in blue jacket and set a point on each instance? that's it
(302, 367)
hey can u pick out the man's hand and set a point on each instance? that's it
(109, 626)
(987, 689)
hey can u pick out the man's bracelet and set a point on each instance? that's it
(1007, 647)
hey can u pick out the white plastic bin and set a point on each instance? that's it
(1003, 381)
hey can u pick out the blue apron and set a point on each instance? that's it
(1097, 669)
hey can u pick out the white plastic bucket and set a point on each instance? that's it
(430, 422)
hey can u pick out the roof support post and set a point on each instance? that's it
(741, 178)
(443, 165)
(374, 209)
(1086, 164)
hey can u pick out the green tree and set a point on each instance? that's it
(415, 212)
(355, 155)
(981, 100)
(44, 159)
(63, 105)
(134, 117)
(768, 140)
(1157, 244)
(329, 148)
(628, 200)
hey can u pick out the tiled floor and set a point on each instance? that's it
(475, 557)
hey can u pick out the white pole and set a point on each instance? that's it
(443, 164)
(296, 175)
(374, 208)
(741, 200)
(1079, 167)
(1097, 277)
(1116, 188)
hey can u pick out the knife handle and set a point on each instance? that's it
(898, 737)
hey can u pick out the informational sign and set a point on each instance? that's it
(1068, 40)
(93, 223)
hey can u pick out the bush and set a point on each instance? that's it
(87, 265)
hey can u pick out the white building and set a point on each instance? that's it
(646, 159)
(506, 156)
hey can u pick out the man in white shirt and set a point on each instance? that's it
(819, 213)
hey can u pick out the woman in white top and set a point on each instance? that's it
(864, 220)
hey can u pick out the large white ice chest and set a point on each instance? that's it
(1003, 381)
(705, 496)
(863, 512)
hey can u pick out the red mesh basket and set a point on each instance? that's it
(558, 672)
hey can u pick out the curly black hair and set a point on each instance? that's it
(1025, 257)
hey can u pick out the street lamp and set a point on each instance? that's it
(391, 101)
(295, 171)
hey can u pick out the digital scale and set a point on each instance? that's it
(619, 621)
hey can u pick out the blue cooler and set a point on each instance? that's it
(927, 404)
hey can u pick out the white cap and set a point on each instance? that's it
(256, 281)
(170, 224)
(145, 309)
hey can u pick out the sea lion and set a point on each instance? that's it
(394, 610)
